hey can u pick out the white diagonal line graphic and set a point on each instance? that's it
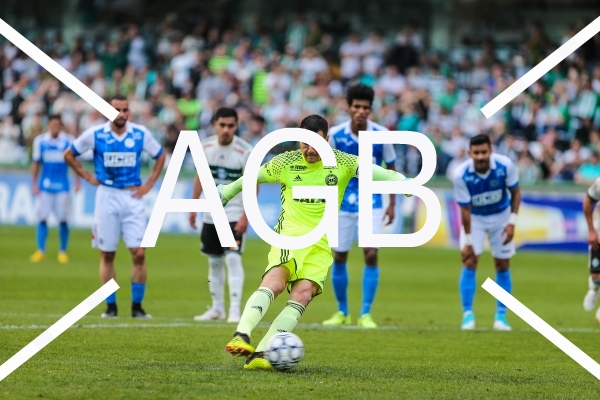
(541, 69)
(59, 72)
(59, 327)
(542, 327)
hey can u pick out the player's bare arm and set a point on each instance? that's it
(35, 173)
(515, 201)
(78, 168)
(588, 210)
(467, 253)
(196, 192)
(159, 162)
(389, 213)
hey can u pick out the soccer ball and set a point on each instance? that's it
(284, 351)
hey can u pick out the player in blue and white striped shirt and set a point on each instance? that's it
(51, 186)
(487, 191)
(344, 137)
(119, 209)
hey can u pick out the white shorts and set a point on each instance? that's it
(56, 203)
(116, 214)
(348, 228)
(493, 226)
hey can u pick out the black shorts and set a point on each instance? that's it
(594, 260)
(211, 245)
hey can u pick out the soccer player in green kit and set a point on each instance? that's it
(302, 272)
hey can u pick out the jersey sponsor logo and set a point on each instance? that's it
(53, 156)
(120, 159)
(224, 173)
(298, 168)
(129, 143)
(311, 201)
(331, 180)
(297, 179)
(487, 198)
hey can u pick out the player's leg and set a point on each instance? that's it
(105, 237)
(107, 272)
(211, 247)
(235, 277)
(43, 209)
(591, 297)
(347, 226)
(467, 283)
(274, 282)
(133, 225)
(311, 271)
(301, 294)
(502, 254)
(61, 210)
(371, 274)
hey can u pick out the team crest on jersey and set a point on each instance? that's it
(129, 143)
(494, 183)
(331, 180)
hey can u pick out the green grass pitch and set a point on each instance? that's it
(418, 352)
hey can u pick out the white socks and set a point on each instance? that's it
(216, 282)
(235, 278)
(593, 285)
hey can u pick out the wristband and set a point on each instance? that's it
(512, 220)
(468, 239)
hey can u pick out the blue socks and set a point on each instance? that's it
(42, 235)
(63, 233)
(137, 292)
(370, 283)
(112, 299)
(340, 286)
(467, 285)
(505, 282)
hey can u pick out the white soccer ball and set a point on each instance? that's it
(284, 351)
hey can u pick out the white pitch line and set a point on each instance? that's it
(542, 327)
(311, 326)
(59, 72)
(541, 69)
(59, 327)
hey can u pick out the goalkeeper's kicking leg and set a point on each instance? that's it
(273, 284)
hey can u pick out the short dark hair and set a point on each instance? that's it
(480, 139)
(225, 112)
(54, 116)
(315, 123)
(258, 118)
(117, 96)
(360, 92)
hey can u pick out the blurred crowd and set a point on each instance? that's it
(176, 79)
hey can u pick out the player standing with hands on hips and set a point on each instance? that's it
(482, 185)
(119, 209)
(227, 156)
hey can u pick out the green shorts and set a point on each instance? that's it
(311, 263)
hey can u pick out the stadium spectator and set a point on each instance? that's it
(301, 68)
